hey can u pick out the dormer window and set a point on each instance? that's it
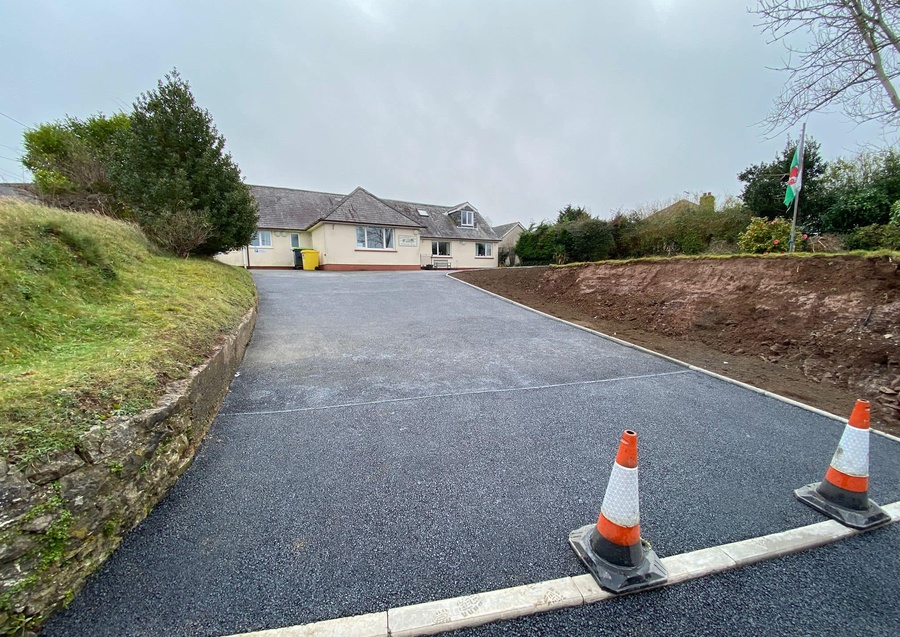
(467, 218)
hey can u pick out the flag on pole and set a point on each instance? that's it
(796, 177)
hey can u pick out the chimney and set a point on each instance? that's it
(707, 201)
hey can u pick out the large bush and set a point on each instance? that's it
(764, 236)
(174, 172)
(70, 161)
(586, 239)
(685, 230)
(536, 245)
(874, 237)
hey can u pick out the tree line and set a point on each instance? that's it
(855, 199)
(163, 166)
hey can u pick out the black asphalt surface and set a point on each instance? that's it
(394, 438)
(847, 589)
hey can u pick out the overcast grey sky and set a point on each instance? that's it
(518, 107)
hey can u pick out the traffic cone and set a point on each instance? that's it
(844, 493)
(612, 550)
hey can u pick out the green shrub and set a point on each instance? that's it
(583, 240)
(688, 230)
(536, 246)
(874, 237)
(763, 236)
(895, 213)
(857, 208)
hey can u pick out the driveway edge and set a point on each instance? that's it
(431, 618)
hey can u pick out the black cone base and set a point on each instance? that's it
(612, 577)
(867, 518)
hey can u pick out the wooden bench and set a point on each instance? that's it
(441, 263)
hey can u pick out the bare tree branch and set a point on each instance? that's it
(841, 53)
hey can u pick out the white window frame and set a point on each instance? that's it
(467, 218)
(261, 239)
(488, 251)
(362, 238)
(436, 249)
(295, 240)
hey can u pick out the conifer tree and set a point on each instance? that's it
(173, 171)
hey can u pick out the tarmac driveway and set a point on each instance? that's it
(399, 437)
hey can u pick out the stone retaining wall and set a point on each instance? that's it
(63, 517)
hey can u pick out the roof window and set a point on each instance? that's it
(423, 213)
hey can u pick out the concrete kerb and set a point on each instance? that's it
(757, 390)
(431, 618)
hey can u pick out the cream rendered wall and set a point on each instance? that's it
(509, 241)
(235, 257)
(511, 237)
(336, 243)
(279, 255)
(462, 254)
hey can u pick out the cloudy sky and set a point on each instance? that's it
(519, 107)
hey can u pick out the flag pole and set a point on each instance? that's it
(797, 195)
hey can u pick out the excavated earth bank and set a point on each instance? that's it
(824, 330)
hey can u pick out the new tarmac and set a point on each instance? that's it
(394, 438)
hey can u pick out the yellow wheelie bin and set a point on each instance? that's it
(310, 259)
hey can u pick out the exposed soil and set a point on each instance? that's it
(823, 330)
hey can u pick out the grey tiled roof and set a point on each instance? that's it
(290, 209)
(501, 231)
(439, 224)
(362, 207)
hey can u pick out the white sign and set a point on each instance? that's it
(408, 241)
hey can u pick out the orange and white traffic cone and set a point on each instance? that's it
(612, 550)
(844, 493)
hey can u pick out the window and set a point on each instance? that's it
(467, 218)
(484, 249)
(261, 239)
(374, 238)
(295, 240)
(440, 248)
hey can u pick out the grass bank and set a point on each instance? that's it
(94, 322)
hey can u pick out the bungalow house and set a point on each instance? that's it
(360, 231)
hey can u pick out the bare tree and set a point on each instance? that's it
(848, 56)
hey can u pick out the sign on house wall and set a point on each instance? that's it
(408, 241)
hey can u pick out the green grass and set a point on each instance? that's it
(95, 322)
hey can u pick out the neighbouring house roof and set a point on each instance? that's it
(361, 206)
(290, 209)
(505, 229)
(679, 206)
(18, 191)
